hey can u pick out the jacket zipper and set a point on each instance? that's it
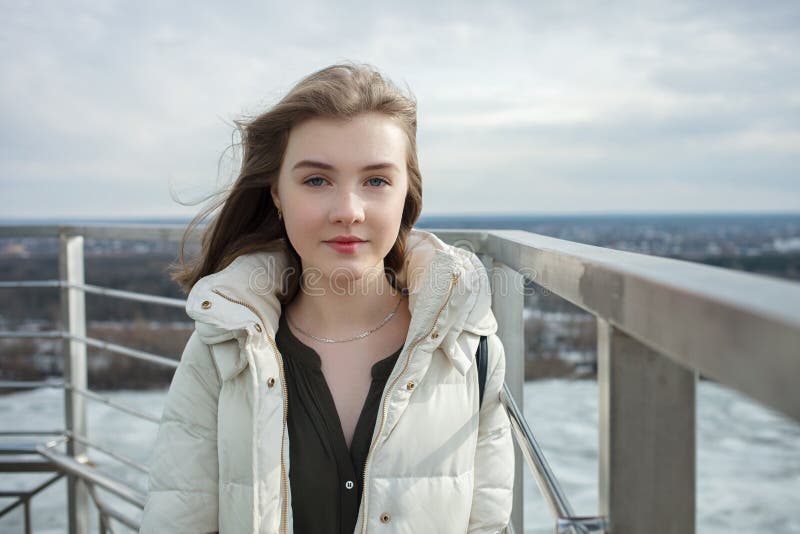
(279, 359)
(385, 404)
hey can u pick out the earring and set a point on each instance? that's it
(280, 214)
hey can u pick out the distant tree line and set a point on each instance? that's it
(777, 265)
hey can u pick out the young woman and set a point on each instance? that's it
(329, 386)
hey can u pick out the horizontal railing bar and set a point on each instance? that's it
(129, 295)
(11, 506)
(108, 452)
(129, 522)
(114, 404)
(105, 524)
(125, 351)
(98, 343)
(99, 290)
(29, 230)
(26, 495)
(89, 474)
(587, 525)
(30, 384)
(132, 232)
(740, 329)
(27, 466)
(31, 432)
(12, 334)
(12, 449)
(533, 255)
(110, 511)
(548, 484)
(31, 283)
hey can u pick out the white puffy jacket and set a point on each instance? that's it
(436, 465)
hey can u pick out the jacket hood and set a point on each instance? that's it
(234, 302)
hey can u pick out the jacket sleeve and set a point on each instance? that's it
(182, 486)
(494, 456)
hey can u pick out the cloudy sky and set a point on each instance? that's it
(109, 108)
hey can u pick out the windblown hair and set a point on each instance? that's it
(248, 221)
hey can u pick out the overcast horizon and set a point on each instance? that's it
(425, 217)
(524, 108)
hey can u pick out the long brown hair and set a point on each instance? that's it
(248, 219)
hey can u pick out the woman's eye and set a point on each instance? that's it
(379, 183)
(320, 179)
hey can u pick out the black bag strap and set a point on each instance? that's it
(481, 359)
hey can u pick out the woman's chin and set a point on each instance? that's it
(343, 276)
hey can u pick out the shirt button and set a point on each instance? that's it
(435, 334)
(258, 328)
(271, 381)
(349, 484)
(385, 517)
(411, 385)
(205, 304)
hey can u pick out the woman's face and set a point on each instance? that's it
(343, 178)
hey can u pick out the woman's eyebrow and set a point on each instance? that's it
(311, 164)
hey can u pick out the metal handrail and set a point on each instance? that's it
(660, 302)
(66, 463)
(172, 233)
(39, 334)
(30, 283)
(99, 290)
(123, 350)
(548, 484)
(10, 384)
(114, 404)
(30, 384)
(94, 342)
(108, 452)
(554, 495)
(108, 511)
(31, 433)
(73, 467)
(127, 295)
(24, 498)
(102, 511)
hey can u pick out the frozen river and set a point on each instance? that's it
(748, 460)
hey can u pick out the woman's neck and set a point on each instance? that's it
(337, 309)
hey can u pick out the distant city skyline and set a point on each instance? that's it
(526, 108)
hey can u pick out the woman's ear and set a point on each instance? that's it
(273, 190)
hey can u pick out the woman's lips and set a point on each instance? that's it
(346, 247)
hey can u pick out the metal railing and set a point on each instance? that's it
(660, 323)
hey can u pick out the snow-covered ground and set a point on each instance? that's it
(748, 460)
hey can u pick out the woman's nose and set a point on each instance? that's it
(348, 208)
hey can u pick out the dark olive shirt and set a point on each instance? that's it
(325, 477)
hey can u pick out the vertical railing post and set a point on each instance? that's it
(508, 301)
(73, 321)
(647, 437)
(27, 513)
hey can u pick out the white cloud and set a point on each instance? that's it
(573, 101)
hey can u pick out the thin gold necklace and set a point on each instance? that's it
(359, 336)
